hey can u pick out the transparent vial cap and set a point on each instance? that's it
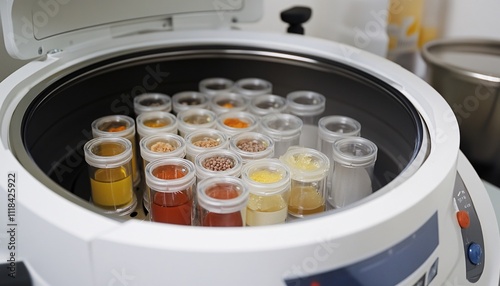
(207, 199)
(147, 102)
(108, 152)
(335, 127)
(355, 152)
(306, 103)
(215, 85)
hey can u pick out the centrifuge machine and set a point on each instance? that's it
(429, 222)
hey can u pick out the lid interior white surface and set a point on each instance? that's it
(33, 28)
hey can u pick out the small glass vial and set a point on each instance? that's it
(284, 129)
(159, 146)
(215, 85)
(353, 163)
(193, 119)
(331, 129)
(268, 181)
(148, 102)
(171, 182)
(189, 99)
(309, 169)
(222, 201)
(265, 104)
(222, 103)
(308, 106)
(251, 87)
(119, 126)
(252, 146)
(110, 173)
(232, 123)
(204, 140)
(149, 123)
(217, 163)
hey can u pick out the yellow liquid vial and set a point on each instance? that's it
(305, 201)
(111, 187)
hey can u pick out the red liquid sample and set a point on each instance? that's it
(222, 192)
(174, 208)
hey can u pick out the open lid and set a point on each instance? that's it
(35, 27)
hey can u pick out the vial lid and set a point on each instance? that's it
(266, 104)
(192, 119)
(306, 103)
(235, 122)
(158, 146)
(108, 152)
(252, 145)
(306, 164)
(215, 85)
(189, 99)
(266, 177)
(281, 126)
(250, 87)
(334, 127)
(147, 102)
(113, 126)
(213, 163)
(210, 193)
(222, 103)
(354, 152)
(149, 123)
(170, 175)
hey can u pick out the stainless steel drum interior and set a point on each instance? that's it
(52, 122)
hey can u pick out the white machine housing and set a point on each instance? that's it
(63, 243)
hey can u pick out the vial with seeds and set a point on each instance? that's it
(119, 126)
(227, 102)
(189, 99)
(309, 170)
(309, 107)
(353, 163)
(110, 172)
(235, 122)
(149, 123)
(265, 104)
(284, 129)
(217, 163)
(251, 87)
(331, 129)
(215, 85)
(268, 182)
(159, 146)
(252, 146)
(152, 102)
(204, 140)
(222, 201)
(193, 119)
(171, 182)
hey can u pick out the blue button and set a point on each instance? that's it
(475, 253)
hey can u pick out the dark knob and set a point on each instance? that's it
(295, 17)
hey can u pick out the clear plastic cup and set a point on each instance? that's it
(110, 172)
(331, 129)
(217, 163)
(148, 102)
(159, 146)
(284, 129)
(222, 202)
(193, 119)
(309, 107)
(171, 182)
(251, 87)
(119, 126)
(252, 146)
(189, 99)
(149, 123)
(265, 104)
(353, 163)
(205, 140)
(268, 181)
(236, 122)
(309, 170)
(215, 85)
(222, 103)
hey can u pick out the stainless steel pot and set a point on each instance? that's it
(467, 74)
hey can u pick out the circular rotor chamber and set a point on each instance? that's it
(53, 122)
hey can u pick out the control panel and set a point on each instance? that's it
(472, 234)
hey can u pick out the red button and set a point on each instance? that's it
(463, 219)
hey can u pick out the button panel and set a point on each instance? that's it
(472, 234)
